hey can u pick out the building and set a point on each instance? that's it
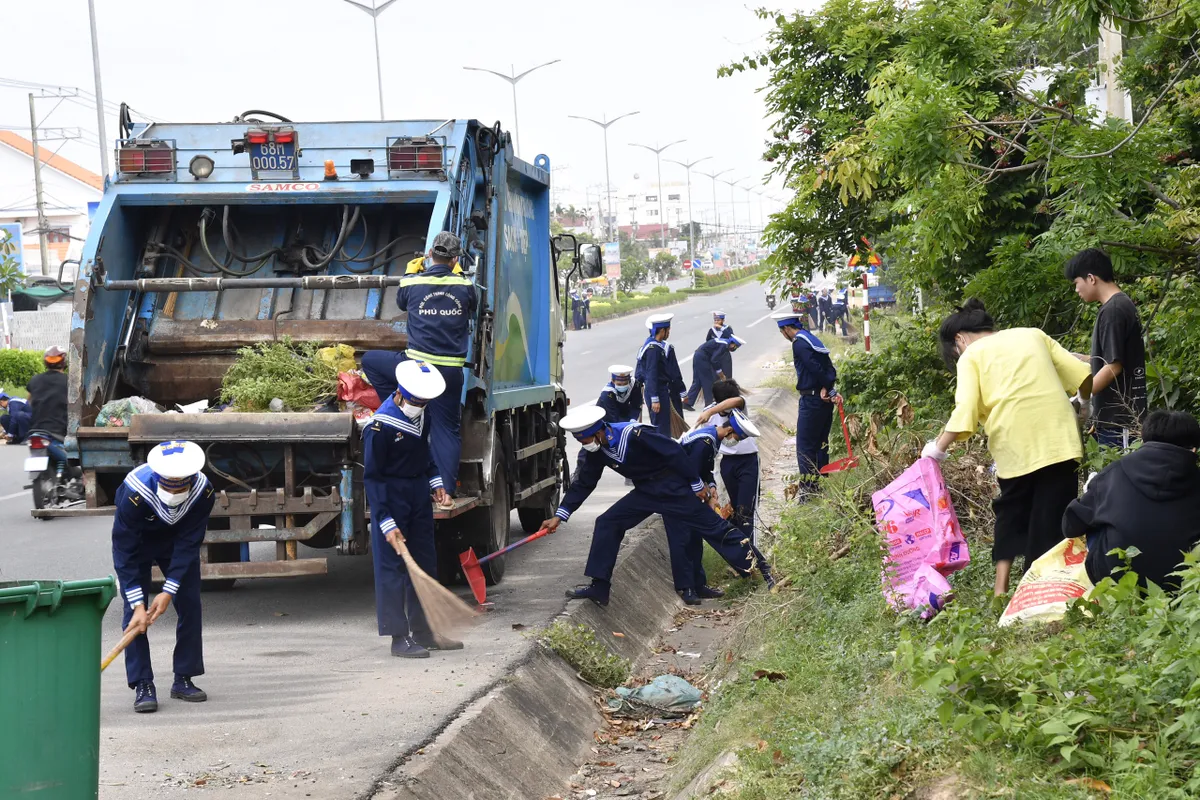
(640, 205)
(69, 190)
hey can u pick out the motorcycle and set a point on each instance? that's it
(54, 485)
(771, 301)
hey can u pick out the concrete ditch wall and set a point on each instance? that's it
(526, 735)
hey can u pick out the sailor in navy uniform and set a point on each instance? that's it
(664, 482)
(708, 367)
(658, 373)
(400, 475)
(162, 514)
(815, 376)
(618, 398)
(720, 330)
(735, 546)
(16, 418)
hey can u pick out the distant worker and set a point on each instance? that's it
(16, 418)
(162, 511)
(664, 482)
(400, 475)
(813, 309)
(719, 329)
(658, 373)
(618, 398)
(48, 404)
(841, 310)
(825, 310)
(815, 377)
(708, 367)
(440, 302)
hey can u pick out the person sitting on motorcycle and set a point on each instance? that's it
(48, 401)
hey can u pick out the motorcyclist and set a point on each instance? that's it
(48, 400)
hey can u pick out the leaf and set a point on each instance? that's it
(1090, 783)
(771, 676)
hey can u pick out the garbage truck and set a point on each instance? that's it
(213, 237)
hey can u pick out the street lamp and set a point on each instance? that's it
(99, 93)
(716, 208)
(734, 185)
(658, 161)
(691, 222)
(514, 79)
(607, 181)
(375, 11)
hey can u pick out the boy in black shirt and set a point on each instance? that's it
(1118, 355)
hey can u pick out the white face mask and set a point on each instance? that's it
(411, 411)
(170, 499)
(591, 447)
(731, 440)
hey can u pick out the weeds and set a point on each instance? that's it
(577, 645)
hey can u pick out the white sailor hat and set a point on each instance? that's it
(742, 426)
(418, 380)
(720, 314)
(583, 422)
(175, 461)
(656, 321)
(620, 370)
(785, 318)
(739, 341)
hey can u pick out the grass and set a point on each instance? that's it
(577, 645)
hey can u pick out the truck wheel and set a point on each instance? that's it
(532, 518)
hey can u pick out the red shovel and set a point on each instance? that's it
(472, 567)
(850, 461)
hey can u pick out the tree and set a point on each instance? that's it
(663, 265)
(11, 276)
(954, 135)
(633, 273)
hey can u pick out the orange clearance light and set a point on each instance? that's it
(330, 171)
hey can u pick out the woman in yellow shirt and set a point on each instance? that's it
(1016, 384)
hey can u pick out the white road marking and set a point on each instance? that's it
(15, 495)
(585, 352)
(683, 361)
(760, 319)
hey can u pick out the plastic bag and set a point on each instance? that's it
(119, 413)
(353, 388)
(916, 515)
(340, 357)
(669, 695)
(1050, 584)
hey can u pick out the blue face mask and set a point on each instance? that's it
(622, 390)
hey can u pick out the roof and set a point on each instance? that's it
(56, 162)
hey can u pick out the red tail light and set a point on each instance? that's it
(38, 443)
(256, 137)
(140, 158)
(415, 155)
(285, 136)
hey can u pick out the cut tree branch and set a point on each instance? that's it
(1178, 252)
(1161, 195)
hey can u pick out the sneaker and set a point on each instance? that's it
(434, 641)
(690, 598)
(710, 592)
(688, 406)
(145, 699)
(597, 592)
(405, 647)
(184, 689)
(766, 573)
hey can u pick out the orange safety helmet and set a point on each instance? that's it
(54, 356)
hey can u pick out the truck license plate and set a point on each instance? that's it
(37, 463)
(274, 161)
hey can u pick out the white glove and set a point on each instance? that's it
(1083, 408)
(931, 450)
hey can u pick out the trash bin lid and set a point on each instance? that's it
(49, 594)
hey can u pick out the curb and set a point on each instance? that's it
(527, 733)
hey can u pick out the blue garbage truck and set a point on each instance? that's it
(214, 237)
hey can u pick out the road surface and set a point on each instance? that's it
(305, 700)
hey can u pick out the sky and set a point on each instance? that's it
(208, 60)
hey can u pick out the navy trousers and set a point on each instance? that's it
(702, 380)
(814, 420)
(680, 509)
(662, 420)
(189, 644)
(16, 426)
(397, 610)
(739, 473)
(729, 542)
(444, 411)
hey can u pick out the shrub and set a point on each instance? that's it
(18, 366)
(622, 295)
(660, 290)
(577, 645)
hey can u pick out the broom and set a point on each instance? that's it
(126, 640)
(679, 426)
(443, 610)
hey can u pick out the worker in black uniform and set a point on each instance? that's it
(162, 511)
(440, 302)
(708, 367)
(48, 405)
(400, 475)
(16, 418)
(815, 376)
(658, 373)
(664, 482)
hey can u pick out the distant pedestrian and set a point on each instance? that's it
(1118, 358)
(815, 377)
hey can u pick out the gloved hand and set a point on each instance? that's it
(931, 451)
(1083, 408)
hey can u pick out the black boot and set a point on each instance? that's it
(597, 592)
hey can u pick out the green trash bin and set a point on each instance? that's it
(50, 687)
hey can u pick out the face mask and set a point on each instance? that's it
(731, 440)
(171, 499)
(622, 390)
(591, 447)
(411, 411)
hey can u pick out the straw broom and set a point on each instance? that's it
(679, 426)
(444, 612)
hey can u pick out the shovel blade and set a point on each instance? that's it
(841, 465)
(474, 575)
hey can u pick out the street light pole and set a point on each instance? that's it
(375, 11)
(716, 209)
(662, 233)
(733, 203)
(99, 93)
(607, 181)
(513, 80)
(691, 220)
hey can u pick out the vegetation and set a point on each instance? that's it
(577, 645)
(18, 366)
(292, 372)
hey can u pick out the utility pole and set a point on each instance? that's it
(662, 223)
(37, 182)
(1117, 100)
(604, 125)
(513, 80)
(716, 208)
(691, 219)
(99, 94)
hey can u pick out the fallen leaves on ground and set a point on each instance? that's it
(770, 675)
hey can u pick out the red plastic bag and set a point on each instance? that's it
(353, 388)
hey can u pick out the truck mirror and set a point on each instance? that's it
(591, 260)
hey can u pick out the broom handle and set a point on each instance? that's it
(126, 640)
(845, 430)
(515, 545)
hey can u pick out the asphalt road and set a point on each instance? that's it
(305, 700)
